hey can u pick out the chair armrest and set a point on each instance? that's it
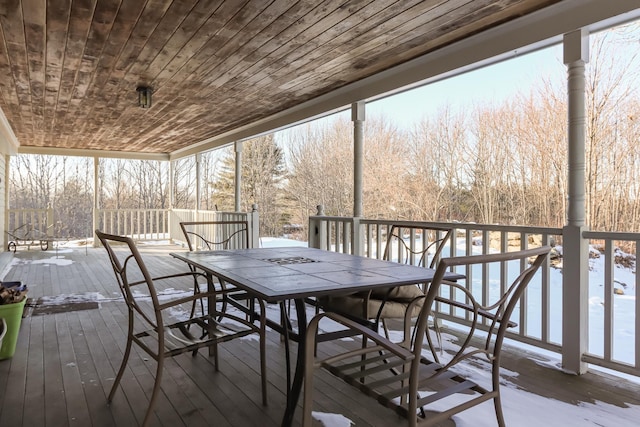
(380, 340)
(170, 276)
(469, 307)
(183, 274)
(190, 298)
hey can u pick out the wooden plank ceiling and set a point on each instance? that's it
(69, 68)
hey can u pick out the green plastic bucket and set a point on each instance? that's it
(12, 315)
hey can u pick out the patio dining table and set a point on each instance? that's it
(282, 274)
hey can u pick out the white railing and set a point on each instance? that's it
(614, 319)
(614, 309)
(27, 227)
(139, 224)
(367, 237)
(38, 219)
(334, 233)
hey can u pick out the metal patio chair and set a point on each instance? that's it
(165, 328)
(223, 234)
(406, 376)
(381, 305)
(214, 235)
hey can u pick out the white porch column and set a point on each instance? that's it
(238, 189)
(172, 196)
(198, 191)
(5, 186)
(357, 116)
(575, 249)
(96, 198)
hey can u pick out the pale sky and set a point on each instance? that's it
(493, 83)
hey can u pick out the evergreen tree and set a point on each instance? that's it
(262, 178)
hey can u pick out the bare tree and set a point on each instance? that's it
(386, 175)
(608, 93)
(434, 163)
(118, 189)
(210, 162)
(321, 168)
(543, 144)
(184, 183)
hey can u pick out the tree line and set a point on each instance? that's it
(491, 163)
(502, 162)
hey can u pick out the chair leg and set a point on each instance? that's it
(431, 346)
(196, 290)
(223, 306)
(263, 354)
(309, 370)
(285, 319)
(497, 403)
(123, 364)
(156, 390)
(498, 407)
(307, 419)
(386, 328)
(213, 351)
(404, 398)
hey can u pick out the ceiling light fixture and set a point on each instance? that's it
(144, 96)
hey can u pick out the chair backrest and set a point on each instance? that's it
(211, 235)
(494, 316)
(415, 244)
(133, 277)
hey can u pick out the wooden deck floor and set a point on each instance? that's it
(67, 356)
